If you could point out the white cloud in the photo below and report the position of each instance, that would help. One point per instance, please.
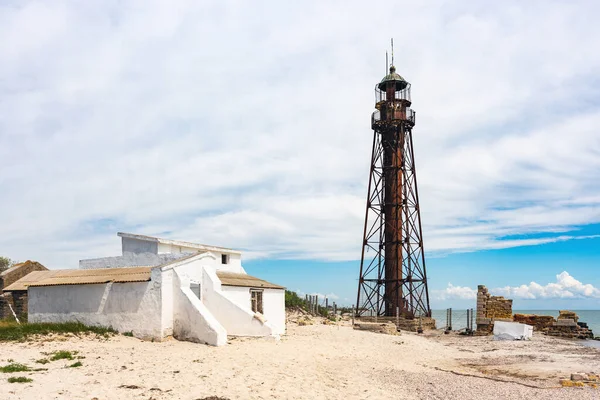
(455, 292)
(565, 287)
(142, 118)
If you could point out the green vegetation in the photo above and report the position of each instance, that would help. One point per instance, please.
(19, 379)
(5, 263)
(128, 333)
(42, 361)
(62, 355)
(10, 330)
(293, 300)
(75, 365)
(14, 367)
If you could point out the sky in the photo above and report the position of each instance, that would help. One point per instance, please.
(247, 125)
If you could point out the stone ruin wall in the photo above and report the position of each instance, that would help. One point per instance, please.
(16, 300)
(489, 309)
(497, 308)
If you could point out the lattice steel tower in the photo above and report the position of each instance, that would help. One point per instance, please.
(392, 267)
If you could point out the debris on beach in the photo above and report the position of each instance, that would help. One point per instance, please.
(387, 328)
(512, 331)
(581, 379)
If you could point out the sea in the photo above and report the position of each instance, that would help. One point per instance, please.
(459, 319)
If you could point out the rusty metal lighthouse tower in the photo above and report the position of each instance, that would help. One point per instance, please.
(392, 267)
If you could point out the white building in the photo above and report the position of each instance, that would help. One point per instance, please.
(158, 288)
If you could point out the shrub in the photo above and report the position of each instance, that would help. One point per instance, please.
(293, 300)
(62, 355)
(14, 367)
(14, 331)
(75, 365)
(19, 379)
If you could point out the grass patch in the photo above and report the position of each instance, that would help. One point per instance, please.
(19, 379)
(42, 361)
(14, 367)
(62, 355)
(75, 365)
(128, 334)
(13, 331)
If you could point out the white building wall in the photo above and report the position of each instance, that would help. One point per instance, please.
(126, 307)
(192, 320)
(237, 320)
(129, 245)
(167, 302)
(239, 295)
(131, 260)
(274, 309)
(273, 304)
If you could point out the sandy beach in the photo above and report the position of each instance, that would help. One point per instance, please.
(311, 362)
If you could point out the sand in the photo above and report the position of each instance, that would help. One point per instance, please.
(311, 362)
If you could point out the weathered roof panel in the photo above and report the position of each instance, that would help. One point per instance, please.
(244, 280)
(81, 277)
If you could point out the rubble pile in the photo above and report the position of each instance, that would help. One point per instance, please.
(567, 325)
(581, 379)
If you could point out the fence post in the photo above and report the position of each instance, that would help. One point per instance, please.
(468, 320)
(472, 321)
(352, 314)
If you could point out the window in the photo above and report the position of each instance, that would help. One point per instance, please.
(256, 300)
(224, 259)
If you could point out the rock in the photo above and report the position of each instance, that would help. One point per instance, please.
(579, 377)
(385, 328)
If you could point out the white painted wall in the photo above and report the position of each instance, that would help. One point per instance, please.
(239, 295)
(131, 260)
(192, 319)
(168, 287)
(192, 269)
(237, 320)
(273, 304)
(126, 307)
(274, 309)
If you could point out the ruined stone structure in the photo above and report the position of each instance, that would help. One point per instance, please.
(566, 325)
(540, 323)
(489, 309)
(16, 299)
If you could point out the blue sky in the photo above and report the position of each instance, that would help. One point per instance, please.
(497, 269)
(248, 126)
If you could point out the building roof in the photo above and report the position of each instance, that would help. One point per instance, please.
(244, 280)
(19, 266)
(178, 243)
(81, 277)
(393, 77)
